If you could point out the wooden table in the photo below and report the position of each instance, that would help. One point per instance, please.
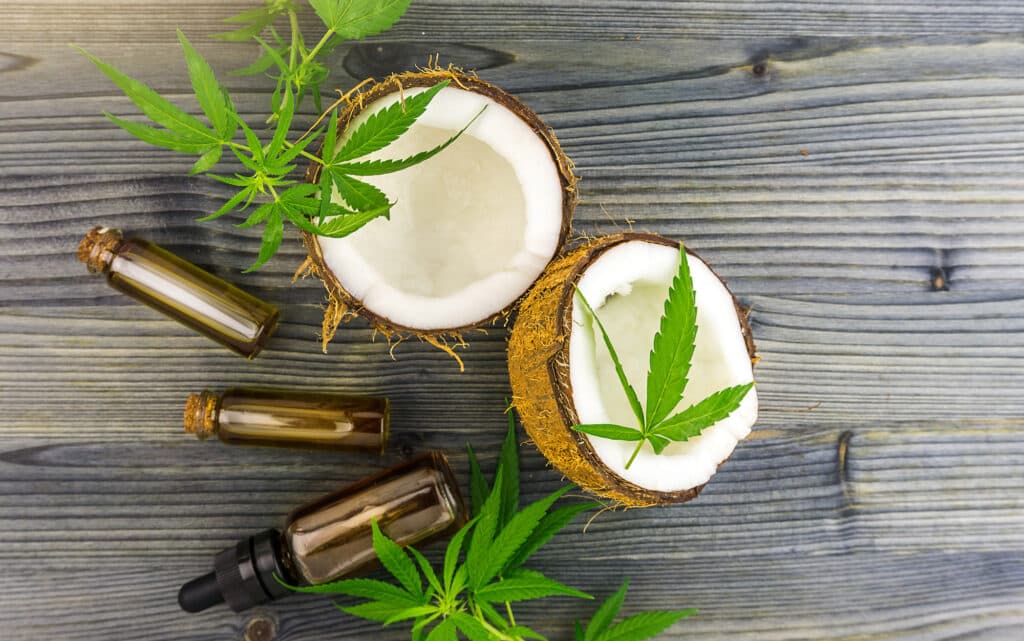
(852, 169)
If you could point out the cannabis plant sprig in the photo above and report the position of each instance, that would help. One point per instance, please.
(298, 65)
(634, 628)
(267, 186)
(482, 572)
(670, 361)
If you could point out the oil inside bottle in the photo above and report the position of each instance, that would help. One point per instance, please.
(291, 419)
(332, 537)
(181, 290)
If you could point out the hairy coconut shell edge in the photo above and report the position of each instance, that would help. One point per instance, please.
(343, 306)
(538, 361)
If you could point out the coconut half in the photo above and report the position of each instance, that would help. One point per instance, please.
(562, 374)
(472, 228)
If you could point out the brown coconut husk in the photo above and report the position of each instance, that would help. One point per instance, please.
(538, 364)
(342, 306)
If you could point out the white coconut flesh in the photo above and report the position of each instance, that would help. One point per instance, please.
(627, 287)
(473, 227)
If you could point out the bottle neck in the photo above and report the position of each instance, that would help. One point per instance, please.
(201, 411)
(98, 248)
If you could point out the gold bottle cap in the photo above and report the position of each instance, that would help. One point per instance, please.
(97, 248)
(200, 414)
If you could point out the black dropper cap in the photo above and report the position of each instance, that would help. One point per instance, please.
(243, 576)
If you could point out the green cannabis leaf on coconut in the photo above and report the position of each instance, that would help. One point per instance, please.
(483, 571)
(267, 191)
(670, 361)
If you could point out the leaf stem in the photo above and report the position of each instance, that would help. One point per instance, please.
(305, 153)
(635, 452)
(498, 634)
(293, 20)
(319, 45)
(634, 401)
(511, 617)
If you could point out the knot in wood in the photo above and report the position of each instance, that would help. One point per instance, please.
(260, 628)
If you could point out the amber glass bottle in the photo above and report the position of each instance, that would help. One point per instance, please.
(290, 419)
(194, 297)
(331, 538)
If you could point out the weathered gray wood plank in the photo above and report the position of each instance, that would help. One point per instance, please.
(782, 533)
(797, 597)
(860, 91)
(135, 24)
(851, 362)
(905, 489)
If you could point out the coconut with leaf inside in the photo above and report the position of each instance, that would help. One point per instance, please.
(563, 375)
(470, 229)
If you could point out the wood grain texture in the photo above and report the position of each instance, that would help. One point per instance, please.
(854, 170)
(134, 23)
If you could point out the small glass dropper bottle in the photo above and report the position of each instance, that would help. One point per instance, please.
(194, 297)
(290, 419)
(330, 538)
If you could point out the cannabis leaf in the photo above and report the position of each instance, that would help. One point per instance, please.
(634, 402)
(385, 126)
(634, 628)
(670, 360)
(266, 184)
(161, 138)
(673, 346)
(259, 19)
(182, 131)
(272, 235)
(360, 195)
(482, 573)
(378, 167)
(213, 100)
(523, 585)
(508, 462)
(479, 489)
(482, 565)
(694, 419)
(356, 19)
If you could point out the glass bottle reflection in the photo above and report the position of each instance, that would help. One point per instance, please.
(290, 419)
(194, 297)
(332, 537)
